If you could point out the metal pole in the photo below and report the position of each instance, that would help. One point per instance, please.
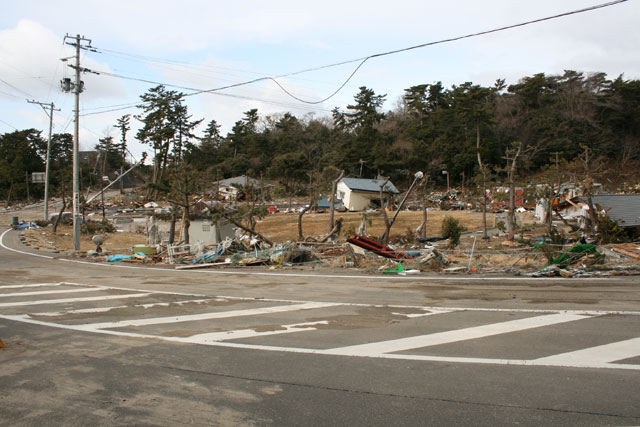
(76, 143)
(46, 168)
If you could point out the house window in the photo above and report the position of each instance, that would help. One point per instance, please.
(206, 227)
(341, 195)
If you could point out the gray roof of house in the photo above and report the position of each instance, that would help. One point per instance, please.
(622, 208)
(242, 180)
(363, 184)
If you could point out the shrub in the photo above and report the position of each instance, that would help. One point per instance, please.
(97, 227)
(452, 229)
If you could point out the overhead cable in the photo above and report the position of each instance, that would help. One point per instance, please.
(392, 52)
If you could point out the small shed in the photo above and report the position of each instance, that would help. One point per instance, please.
(358, 193)
(202, 230)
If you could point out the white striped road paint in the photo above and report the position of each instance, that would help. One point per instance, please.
(80, 311)
(33, 285)
(70, 300)
(106, 309)
(604, 354)
(202, 316)
(20, 252)
(442, 359)
(409, 343)
(57, 291)
(427, 313)
(252, 333)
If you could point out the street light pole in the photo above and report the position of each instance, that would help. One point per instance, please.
(447, 173)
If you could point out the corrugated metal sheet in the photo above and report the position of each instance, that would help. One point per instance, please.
(622, 208)
(362, 184)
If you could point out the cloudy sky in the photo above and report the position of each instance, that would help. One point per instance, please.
(209, 44)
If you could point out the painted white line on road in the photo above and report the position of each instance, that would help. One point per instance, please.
(33, 285)
(202, 316)
(468, 360)
(391, 346)
(106, 309)
(57, 291)
(81, 311)
(427, 313)
(251, 333)
(602, 354)
(69, 300)
(15, 250)
(435, 308)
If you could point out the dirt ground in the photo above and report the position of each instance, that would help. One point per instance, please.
(62, 241)
(277, 227)
(284, 227)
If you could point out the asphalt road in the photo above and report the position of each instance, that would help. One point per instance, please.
(90, 344)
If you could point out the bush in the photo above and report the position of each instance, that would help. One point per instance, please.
(97, 227)
(42, 222)
(452, 229)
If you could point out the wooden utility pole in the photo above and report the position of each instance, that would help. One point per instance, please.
(46, 168)
(77, 87)
(483, 170)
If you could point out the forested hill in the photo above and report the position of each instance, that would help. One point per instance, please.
(436, 128)
(432, 128)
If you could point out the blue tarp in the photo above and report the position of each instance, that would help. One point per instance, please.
(118, 258)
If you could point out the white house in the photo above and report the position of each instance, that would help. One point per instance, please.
(231, 187)
(358, 193)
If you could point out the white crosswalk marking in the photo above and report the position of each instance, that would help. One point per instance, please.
(204, 316)
(57, 291)
(33, 285)
(252, 333)
(602, 354)
(608, 356)
(409, 343)
(70, 300)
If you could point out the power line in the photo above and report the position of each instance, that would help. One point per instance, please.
(406, 49)
(16, 88)
(11, 126)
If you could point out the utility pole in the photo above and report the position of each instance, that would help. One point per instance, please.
(77, 87)
(46, 169)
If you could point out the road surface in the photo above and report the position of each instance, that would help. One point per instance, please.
(97, 344)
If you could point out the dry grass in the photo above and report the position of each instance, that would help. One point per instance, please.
(284, 227)
(278, 227)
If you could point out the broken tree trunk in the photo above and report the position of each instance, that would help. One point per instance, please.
(64, 206)
(332, 207)
(484, 184)
(248, 230)
(307, 208)
(511, 219)
(387, 226)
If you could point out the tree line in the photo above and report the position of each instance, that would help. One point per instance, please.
(551, 119)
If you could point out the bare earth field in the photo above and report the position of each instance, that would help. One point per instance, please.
(283, 227)
(278, 227)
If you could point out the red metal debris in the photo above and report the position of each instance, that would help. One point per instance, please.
(377, 248)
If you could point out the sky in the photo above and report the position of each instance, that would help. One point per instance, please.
(199, 44)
